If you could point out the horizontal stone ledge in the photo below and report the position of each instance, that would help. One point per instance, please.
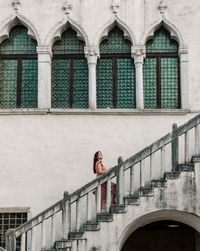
(120, 112)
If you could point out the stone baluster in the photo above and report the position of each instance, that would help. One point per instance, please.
(142, 173)
(108, 196)
(132, 184)
(43, 234)
(162, 158)
(98, 198)
(120, 182)
(78, 214)
(53, 232)
(197, 139)
(23, 242)
(66, 216)
(152, 162)
(33, 248)
(187, 156)
(10, 241)
(174, 147)
(88, 208)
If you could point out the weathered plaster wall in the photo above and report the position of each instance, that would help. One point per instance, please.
(43, 155)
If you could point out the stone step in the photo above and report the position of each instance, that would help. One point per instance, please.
(104, 217)
(132, 200)
(188, 167)
(91, 226)
(172, 175)
(76, 235)
(118, 209)
(159, 183)
(63, 244)
(196, 159)
(146, 192)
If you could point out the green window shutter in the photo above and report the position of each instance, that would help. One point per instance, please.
(60, 83)
(11, 86)
(18, 42)
(125, 83)
(150, 83)
(80, 89)
(29, 83)
(169, 83)
(115, 43)
(69, 44)
(162, 43)
(105, 83)
(115, 81)
(8, 83)
(161, 72)
(69, 74)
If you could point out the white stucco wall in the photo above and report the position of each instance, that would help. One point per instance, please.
(44, 155)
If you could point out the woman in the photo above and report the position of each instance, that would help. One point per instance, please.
(99, 169)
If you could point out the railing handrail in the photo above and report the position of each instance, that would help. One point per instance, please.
(158, 144)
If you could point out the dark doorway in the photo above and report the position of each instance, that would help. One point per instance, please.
(163, 236)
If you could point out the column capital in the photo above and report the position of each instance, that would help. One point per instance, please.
(138, 53)
(183, 53)
(92, 54)
(44, 50)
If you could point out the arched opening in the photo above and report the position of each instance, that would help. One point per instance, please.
(163, 235)
(161, 72)
(69, 72)
(18, 70)
(115, 72)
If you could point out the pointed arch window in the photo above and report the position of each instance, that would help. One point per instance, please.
(69, 72)
(115, 72)
(18, 70)
(161, 72)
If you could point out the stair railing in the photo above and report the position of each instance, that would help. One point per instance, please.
(118, 172)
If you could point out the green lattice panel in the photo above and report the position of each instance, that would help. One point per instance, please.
(169, 83)
(161, 42)
(115, 43)
(80, 92)
(149, 75)
(8, 83)
(105, 83)
(18, 42)
(69, 44)
(60, 83)
(29, 84)
(125, 83)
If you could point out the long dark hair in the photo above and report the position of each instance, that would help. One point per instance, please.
(95, 161)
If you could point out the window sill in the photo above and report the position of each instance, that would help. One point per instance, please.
(118, 112)
(126, 112)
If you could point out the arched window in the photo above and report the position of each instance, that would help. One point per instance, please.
(161, 72)
(70, 72)
(18, 70)
(115, 72)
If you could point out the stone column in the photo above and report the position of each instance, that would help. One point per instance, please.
(92, 54)
(184, 85)
(138, 53)
(44, 77)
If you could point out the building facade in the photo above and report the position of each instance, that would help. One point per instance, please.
(81, 76)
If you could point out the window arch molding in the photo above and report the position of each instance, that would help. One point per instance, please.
(103, 32)
(56, 32)
(19, 20)
(176, 35)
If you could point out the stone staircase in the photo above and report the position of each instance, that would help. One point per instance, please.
(175, 189)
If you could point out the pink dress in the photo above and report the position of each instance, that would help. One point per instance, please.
(104, 188)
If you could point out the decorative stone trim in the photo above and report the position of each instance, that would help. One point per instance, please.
(91, 51)
(115, 6)
(18, 111)
(14, 209)
(138, 51)
(15, 4)
(67, 7)
(162, 7)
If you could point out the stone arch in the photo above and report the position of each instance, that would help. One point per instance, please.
(174, 32)
(56, 32)
(103, 33)
(174, 215)
(16, 20)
